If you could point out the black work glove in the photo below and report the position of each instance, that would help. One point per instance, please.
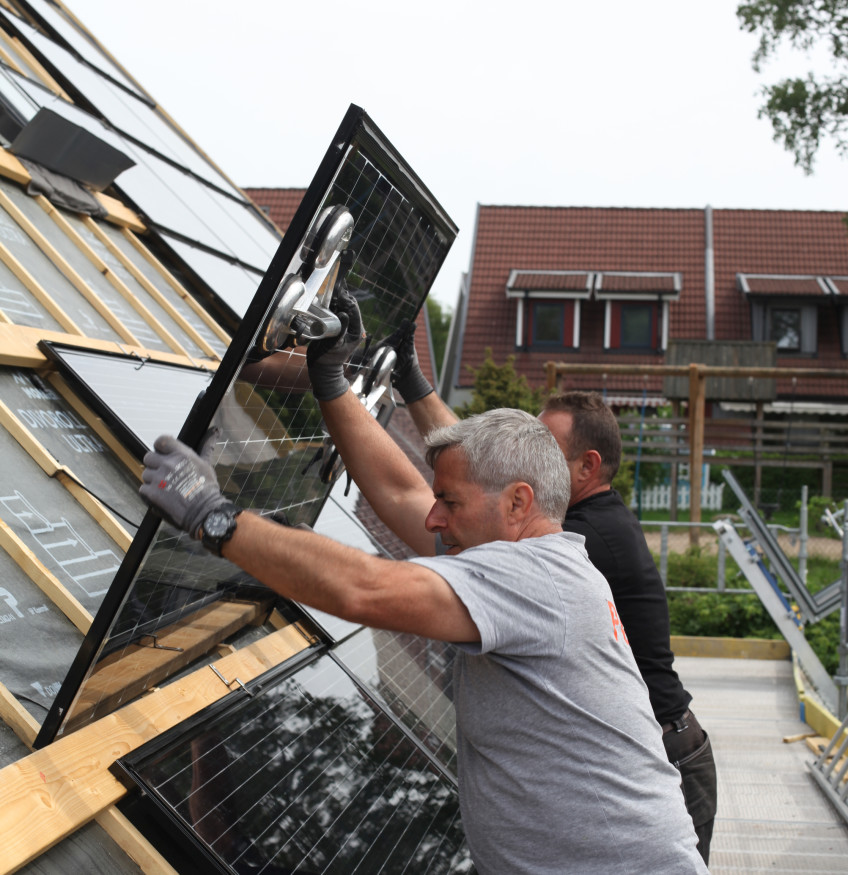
(180, 485)
(326, 358)
(406, 376)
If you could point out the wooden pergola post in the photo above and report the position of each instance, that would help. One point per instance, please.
(697, 396)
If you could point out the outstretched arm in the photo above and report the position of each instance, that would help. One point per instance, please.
(400, 496)
(182, 487)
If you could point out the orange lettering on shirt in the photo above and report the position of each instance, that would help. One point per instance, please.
(616, 623)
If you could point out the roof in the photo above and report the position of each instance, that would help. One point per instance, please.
(118, 302)
(518, 247)
(279, 204)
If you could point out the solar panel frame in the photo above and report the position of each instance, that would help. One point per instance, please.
(391, 282)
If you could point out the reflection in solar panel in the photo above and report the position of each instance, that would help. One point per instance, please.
(269, 442)
(307, 775)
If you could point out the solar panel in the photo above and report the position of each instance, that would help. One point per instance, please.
(123, 390)
(308, 774)
(270, 452)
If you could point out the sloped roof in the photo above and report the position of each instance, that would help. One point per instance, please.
(539, 243)
(537, 239)
(279, 204)
(148, 277)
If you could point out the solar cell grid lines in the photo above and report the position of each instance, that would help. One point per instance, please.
(261, 425)
(308, 775)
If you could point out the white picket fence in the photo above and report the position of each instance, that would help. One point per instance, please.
(659, 497)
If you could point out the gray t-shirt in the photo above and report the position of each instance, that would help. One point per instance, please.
(561, 762)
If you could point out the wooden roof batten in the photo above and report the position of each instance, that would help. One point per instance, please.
(54, 791)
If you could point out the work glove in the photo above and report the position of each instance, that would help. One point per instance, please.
(326, 358)
(407, 377)
(181, 485)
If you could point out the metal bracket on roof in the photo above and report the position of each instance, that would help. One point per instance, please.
(228, 684)
(157, 646)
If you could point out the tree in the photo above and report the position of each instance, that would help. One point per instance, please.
(803, 110)
(440, 321)
(500, 386)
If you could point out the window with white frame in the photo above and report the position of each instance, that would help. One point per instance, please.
(548, 305)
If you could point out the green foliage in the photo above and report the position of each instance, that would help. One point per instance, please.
(816, 506)
(741, 614)
(723, 615)
(440, 321)
(803, 110)
(500, 386)
(623, 481)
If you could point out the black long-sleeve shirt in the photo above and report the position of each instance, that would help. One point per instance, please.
(617, 548)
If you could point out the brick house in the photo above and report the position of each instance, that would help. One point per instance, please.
(623, 286)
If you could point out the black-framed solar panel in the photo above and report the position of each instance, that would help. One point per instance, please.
(308, 774)
(413, 678)
(269, 443)
(137, 398)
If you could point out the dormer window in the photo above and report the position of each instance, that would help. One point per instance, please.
(637, 308)
(785, 309)
(548, 307)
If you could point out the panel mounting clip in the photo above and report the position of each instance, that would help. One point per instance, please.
(228, 684)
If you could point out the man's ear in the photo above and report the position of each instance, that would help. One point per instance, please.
(521, 500)
(590, 465)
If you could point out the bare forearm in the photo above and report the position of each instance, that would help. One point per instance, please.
(430, 412)
(348, 583)
(393, 486)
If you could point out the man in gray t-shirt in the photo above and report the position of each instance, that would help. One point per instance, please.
(560, 762)
(562, 766)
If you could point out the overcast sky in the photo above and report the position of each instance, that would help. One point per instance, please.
(598, 103)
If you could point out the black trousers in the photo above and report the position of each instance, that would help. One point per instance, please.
(688, 748)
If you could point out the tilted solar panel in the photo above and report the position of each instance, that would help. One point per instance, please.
(365, 219)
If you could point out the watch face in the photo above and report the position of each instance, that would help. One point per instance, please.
(216, 524)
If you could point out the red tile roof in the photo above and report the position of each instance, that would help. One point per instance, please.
(536, 239)
(757, 284)
(279, 204)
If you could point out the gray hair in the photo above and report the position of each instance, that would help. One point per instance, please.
(508, 446)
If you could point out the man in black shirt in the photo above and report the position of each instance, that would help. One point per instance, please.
(588, 435)
(587, 432)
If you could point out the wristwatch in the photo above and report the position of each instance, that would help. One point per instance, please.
(218, 528)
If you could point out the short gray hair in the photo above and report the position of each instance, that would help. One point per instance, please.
(506, 446)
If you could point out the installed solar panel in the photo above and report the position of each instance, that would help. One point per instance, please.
(269, 450)
(306, 775)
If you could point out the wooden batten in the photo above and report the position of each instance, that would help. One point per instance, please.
(35, 289)
(119, 214)
(67, 271)
(11, 168)
(48, 463)
(115, 281)
(126, 674)
(19, 348)
(151, 289)
(44, 579)
(17, 718)
(54, 791)
(95, 509)
(176, 285)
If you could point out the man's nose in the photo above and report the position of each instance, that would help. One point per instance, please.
(435, 521)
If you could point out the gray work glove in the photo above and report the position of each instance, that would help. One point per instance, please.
(180, 485)
(406, 376)
(326, 358)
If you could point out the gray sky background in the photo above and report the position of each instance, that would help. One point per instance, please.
(603, 103)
